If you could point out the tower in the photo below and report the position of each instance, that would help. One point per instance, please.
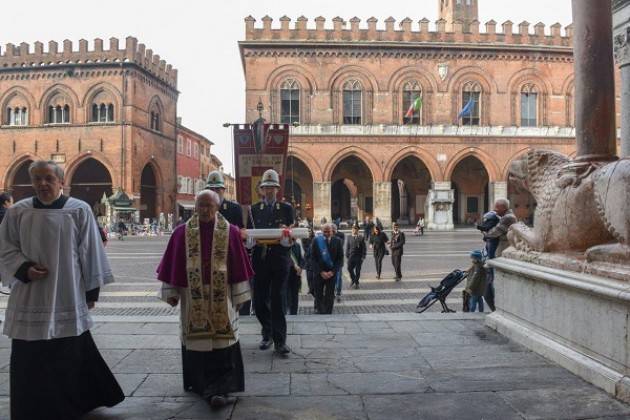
(454, 10)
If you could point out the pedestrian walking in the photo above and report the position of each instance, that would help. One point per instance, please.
(396, 246)
(327, 254)
(506, 219)
(194, 271)
(420, 226)
(295, 278)
(339, 279)
(368, 228)
(52, 256)
(476, 282)
(378, 243)
(271, 265)
(356, 251)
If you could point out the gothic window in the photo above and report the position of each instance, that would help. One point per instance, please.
(102, 112)
(17, 116)
(471, 103)
(352, 98)
(58, 110)
(289, 102)
(529, 106)
(412, 93)
(155, 116)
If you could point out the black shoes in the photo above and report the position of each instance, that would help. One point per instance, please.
(218, 401)
(265, 343)
(282, 349)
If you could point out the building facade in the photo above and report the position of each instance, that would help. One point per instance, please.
(193, 151)
(106, 115)
(415, 121)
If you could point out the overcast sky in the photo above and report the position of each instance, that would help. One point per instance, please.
(199, 38)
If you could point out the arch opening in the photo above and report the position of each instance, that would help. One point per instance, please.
(148, 193)
(471, 186)
(411, 182)
(352, 190)
(21, 187)
(90, 181)
(298, 188)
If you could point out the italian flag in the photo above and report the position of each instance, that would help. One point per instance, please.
(415, 107)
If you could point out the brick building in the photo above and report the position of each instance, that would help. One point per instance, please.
(107, 115)
(357, 151)
(193, 166)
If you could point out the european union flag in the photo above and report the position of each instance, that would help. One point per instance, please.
(467, 110)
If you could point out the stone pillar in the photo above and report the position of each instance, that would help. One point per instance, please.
(622, 53)
(321, 202)
(594, 82)
(439, 207)
(498, 189)
(383, 202)
(403, 202)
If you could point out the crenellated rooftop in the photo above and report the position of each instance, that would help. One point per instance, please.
(407, 31)
(12, 56)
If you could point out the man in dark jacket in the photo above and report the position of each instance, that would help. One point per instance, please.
(6, 201)
(327, 260)
(295, 278)
(356, 251)
(396, 246)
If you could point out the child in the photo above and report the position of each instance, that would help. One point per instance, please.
(477, 281)
(490, 220)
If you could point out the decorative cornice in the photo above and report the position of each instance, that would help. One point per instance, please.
(407, 51)
(382, 130)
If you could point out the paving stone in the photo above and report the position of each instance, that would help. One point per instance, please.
(256, 360)
(314, 384)
(375, 327)
(343, 328)
(372, 341)
(480, 356)
(151, 361)
(500, 379)
(136, 408)
(266, 384)
(299, 408)
(432, 406)
(129, 382)
(117, 328)
(120, 341)
(161, 385)
(200, 409)
(440, 339)
(310, 328)
(160, 328)
(391, 364)
(295, 364)
(565, 403)
(409, 381)
(4, 384)
(113, 357)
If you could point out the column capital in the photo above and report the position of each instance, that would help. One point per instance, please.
(622, 48)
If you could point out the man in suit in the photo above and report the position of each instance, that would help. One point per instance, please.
(271, 265)
(327, 259)
(396, 245)
(356, 251)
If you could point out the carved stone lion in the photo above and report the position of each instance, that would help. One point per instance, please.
(589, 213)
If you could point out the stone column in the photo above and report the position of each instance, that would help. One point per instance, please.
(622, 53)
(498, 189)
(383, 202)
(321, 202)
(403, 202)
(594, 82)
(439, 207)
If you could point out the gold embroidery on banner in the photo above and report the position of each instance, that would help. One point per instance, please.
(208, 316)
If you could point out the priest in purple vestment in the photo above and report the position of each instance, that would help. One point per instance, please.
(206, 269)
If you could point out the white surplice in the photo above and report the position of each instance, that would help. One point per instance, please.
(67, 242)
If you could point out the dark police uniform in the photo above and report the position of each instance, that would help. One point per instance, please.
(232, 212)
(271, 266)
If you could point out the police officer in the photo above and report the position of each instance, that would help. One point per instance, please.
(271, 265)
(229, 209)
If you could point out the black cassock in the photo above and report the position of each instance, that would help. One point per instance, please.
(216, 372)
(60, 379)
